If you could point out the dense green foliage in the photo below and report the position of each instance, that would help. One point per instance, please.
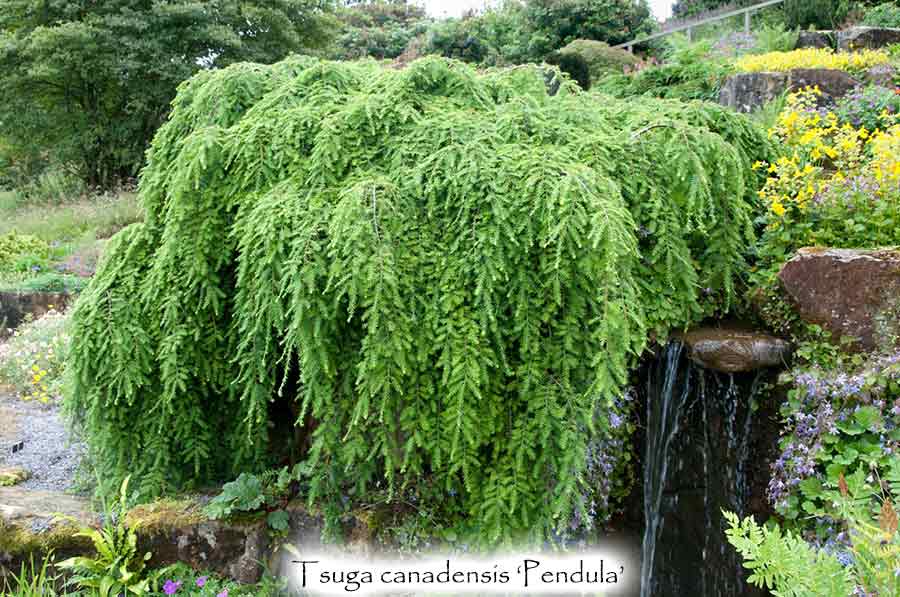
(85, 85)
(443, 277)
(574, 66)
(689, 8)
(377, 29)
(862, 559)
(15, 248)
(518, 32)
(690, 72)
(815, 14)
(555, 23)
(883, 15)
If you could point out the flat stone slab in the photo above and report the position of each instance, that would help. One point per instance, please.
(735, 350)
(815, 39)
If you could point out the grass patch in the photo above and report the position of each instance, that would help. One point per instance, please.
(86, 219)
(75, 232)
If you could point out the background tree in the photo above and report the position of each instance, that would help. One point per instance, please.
(555, 23)
(377, 29)
(86, 84)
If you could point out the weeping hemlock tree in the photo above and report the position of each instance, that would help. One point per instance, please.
(443, 276)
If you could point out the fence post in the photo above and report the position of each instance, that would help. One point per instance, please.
(747, 22)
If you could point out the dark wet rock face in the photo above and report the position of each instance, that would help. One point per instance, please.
(846, 291)
(704, 449)
(734, 351)
(815, 39)
(16, 306)
(859, 38)
(746, 92)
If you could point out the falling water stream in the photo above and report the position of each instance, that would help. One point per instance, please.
(696, 453)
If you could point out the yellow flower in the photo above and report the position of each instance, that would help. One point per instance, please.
(778, 208)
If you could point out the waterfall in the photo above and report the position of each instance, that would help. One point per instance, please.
(696, 451)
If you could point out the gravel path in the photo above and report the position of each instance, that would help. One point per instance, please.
(49, 454)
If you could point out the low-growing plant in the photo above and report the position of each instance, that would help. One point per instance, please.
(775, 38)
(16, 249)
(43, 282)
(118, 568)
(834, 184)
(250, 493)
(183, 581)
(863, 558)
(783, 561)
(842, 421)
(872, 107)
(33, 359)
(33, 580)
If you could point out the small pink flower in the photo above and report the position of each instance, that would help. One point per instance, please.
(202, 581)
(171, 587)
(223, 593)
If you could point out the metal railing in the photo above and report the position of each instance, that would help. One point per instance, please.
(689, 26)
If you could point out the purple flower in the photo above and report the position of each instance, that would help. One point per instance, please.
(171, 587)
(223, 593)
(202, 581)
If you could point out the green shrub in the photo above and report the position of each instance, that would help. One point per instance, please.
(600, 58)
(691, 72)
(443, 277)
(574, 66)
(15, 248)
(53, 187)
(883, 15)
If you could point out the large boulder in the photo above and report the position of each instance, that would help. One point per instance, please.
(833, 84)
(746, 92)
(860, 38)
(849, 292)
(815, 39)
(735, 350)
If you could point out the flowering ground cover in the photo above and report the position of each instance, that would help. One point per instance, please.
(33, 359)
(852, 62)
